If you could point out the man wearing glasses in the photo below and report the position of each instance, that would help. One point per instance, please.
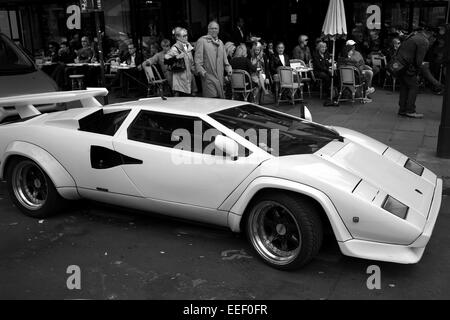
(302, 51)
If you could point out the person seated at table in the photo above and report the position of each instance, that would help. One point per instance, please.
(374, 50)
(356, 59)
(134, 73)
(240, 60)
(302, 51)
(229, 49)
(280, 59)
(65, 55)
(75, 42)
(270, 50)
(346, 59)
(260, 61)
(132, 58)
(113, 53)
(52, 53)
(322, 65)
(391, 51)
(85, 54)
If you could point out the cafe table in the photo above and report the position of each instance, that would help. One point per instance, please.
(123, 72)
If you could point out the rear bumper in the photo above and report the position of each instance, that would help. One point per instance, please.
(396, 253)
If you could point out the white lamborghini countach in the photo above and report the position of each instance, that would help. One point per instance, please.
(281, 179)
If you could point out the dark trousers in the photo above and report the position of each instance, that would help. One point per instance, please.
(408, 93)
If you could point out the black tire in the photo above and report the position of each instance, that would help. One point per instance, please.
(31, 190)
(285, 230)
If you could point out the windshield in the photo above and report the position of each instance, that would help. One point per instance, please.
(12, 59)
(278, 134)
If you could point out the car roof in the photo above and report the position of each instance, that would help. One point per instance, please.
(184, 105)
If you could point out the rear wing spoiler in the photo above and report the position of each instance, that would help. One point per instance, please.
(24, 104)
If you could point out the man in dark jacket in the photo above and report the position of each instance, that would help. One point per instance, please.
(411, 53)
(280, 59)
(131, 57)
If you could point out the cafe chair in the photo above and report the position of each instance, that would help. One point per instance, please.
(319, 82)
(156, 82)
(389, 78)
(298, 64)
(288, 86)
(111, 76)
(378, 62)
(241, 84)
(349, 80)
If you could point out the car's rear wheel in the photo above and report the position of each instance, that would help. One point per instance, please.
(31, 189)
(285, 230)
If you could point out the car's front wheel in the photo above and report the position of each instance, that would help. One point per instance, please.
(31, 189)
(285, 230)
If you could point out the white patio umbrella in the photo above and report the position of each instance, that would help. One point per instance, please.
(334, 27)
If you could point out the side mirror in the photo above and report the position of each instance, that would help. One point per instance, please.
(227, 146)
(308, 115)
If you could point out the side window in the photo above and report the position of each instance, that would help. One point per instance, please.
(173, 131)
(103, 123)
(154, 128)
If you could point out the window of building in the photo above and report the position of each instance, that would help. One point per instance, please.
(433, 15)
(117, 18)
(397, 15)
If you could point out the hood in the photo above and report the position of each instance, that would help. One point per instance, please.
(384, 171)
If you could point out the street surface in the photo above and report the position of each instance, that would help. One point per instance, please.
(127, 255)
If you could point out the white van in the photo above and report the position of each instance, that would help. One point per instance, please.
(19, 75)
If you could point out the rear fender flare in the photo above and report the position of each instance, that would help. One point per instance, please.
(62, 180)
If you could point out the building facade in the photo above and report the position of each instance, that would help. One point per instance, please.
(34, 23)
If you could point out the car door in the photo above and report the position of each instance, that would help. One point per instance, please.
(192, 174)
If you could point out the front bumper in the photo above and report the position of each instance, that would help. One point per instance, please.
(395, 253)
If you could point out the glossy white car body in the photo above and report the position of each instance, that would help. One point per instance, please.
(350, 179)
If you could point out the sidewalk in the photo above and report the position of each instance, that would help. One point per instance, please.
(417, 138)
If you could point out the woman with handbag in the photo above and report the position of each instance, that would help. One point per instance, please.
(181, 63)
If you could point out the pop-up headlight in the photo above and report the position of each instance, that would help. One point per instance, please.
(395, 207)
(413, 166)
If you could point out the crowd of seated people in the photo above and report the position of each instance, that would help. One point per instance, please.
(261, 58)
(373, 45)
